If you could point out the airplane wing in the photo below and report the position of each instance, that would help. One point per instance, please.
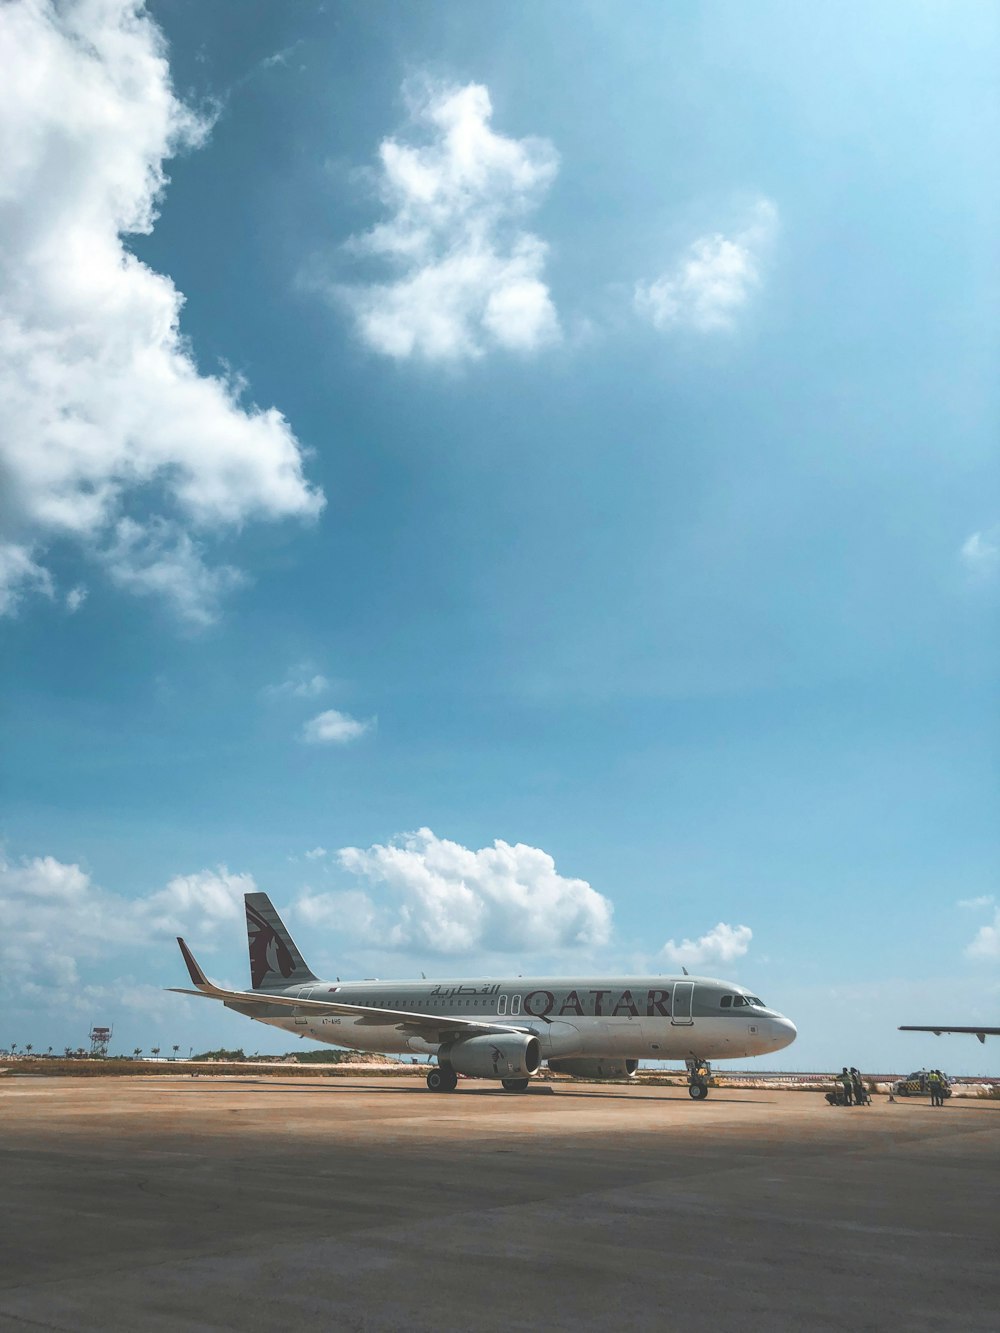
(980, 1032)
(432, 1026)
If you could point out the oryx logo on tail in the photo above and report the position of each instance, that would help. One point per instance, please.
(268, 951)
(274, 959)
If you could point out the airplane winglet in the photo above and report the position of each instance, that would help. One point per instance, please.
(197, 976)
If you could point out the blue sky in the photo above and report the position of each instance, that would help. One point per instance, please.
(619, 564)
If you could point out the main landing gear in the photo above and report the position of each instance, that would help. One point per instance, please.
(514, 1084)
(442, 1078)
(699, 1078)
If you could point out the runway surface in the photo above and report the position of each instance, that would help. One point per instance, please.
(371, 1204)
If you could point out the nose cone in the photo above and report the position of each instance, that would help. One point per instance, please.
(783, 1032)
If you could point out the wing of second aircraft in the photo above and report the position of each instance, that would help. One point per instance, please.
(980, 1032)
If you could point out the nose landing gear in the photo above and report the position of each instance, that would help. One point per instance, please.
(699, 1079)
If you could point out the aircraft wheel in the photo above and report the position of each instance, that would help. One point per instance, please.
(698, 1091)
(515, 1084)
(442, 1080)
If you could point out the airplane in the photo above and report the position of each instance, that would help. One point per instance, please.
(978, 1031)
(587, 1027)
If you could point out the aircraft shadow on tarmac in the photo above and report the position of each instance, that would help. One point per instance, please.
(545, 1090)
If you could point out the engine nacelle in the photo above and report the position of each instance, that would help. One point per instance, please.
(595, 1069)
(515, 1056)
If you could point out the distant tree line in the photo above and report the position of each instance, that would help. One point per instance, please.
(298, 1057)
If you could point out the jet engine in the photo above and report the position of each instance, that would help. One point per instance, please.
(595, 1069)
(513, 1056)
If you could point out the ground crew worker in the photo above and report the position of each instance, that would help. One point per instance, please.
(860, 1092)
(934, 1080)
(848, 1085)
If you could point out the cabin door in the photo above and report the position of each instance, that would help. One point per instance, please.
(680, 1010)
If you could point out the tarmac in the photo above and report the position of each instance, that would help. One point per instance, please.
(371, 1204)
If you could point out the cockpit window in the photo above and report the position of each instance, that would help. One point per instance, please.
(738, 1000)
(726, 1001)
(755, 999)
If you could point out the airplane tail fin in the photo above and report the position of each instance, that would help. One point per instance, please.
(274, 960)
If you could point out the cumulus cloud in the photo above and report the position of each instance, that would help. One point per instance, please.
(335, 728)
(984, 900)
(986, 943)
(56, 918)
(467, 275)
(980, 553)
(711, 282)
(206, 900)
(351, 913)
(722, 944)
(447, 899)
(106, 418)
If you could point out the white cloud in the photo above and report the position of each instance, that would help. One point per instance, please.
(712, 280)
(20, 573)
(351, 914)
(986, 943)
(984, 900)
(468, 275)
(75, 598)
(279, 57)
(208, 899)
(160, 559)
(316, 854)
(449, 899)
(302, 682)
(335, 728)
(55, 918)
(980, 553)
(61, 989)
(103, 404)
(722, 944)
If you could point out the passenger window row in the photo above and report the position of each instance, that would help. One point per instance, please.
(378, 1002)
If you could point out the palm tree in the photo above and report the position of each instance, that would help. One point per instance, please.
(175, 1049)
(155, 1050)
(137, 1051)
(49, 1051)
(28, 1049)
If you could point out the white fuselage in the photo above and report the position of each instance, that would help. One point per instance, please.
(639, 1018)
